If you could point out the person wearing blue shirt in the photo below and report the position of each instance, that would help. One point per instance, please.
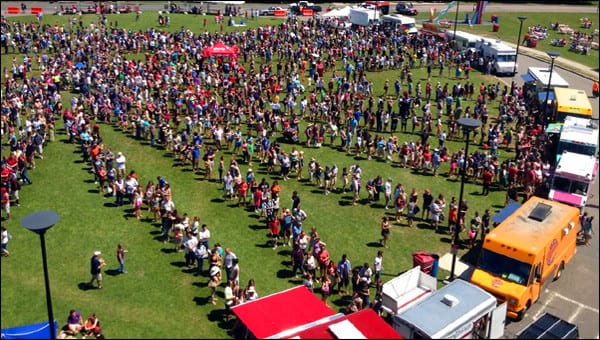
(344, 269)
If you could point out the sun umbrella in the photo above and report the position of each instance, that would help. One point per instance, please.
(80, 65)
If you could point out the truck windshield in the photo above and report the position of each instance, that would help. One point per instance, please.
(506, 58)
(505, 267)
(571, 187)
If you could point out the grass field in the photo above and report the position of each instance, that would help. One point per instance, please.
(159, 297)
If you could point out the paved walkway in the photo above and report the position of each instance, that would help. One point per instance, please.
(573, 66)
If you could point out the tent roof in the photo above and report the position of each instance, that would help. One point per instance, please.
(32, 331)
(278, 312)
(220, 49)
(364, 322)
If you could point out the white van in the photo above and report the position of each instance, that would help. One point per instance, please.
(407, 24)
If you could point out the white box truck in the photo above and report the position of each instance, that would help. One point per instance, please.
(459, 310)
(503, 56)
(363, 16)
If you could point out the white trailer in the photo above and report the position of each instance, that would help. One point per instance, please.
(403, 291)
(363, 16)
(459, 310)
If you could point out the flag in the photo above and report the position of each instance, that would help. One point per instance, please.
(444, 11)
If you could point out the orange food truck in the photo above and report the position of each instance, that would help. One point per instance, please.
(528, 250)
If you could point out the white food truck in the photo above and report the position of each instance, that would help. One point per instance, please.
(459, 310)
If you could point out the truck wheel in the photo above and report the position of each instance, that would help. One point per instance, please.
(559, 271)
(522, 312)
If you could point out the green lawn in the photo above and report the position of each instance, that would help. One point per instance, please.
(159, 297)
(509, 29)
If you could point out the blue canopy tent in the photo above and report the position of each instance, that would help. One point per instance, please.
(527, 77)
(505, 212)
(542, 95)
(33, 331)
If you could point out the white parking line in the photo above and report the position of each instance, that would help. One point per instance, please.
(574, 315)
(549, 297)
(579, 304)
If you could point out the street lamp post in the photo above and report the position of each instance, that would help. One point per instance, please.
(468, 124)
(455, 22)
(553, 55)
(39, 222)
(521, 19)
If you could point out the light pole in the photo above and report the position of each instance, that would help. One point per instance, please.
(553, 55)
(39, 222)
(468, 124)
(455, 22)
(521, 19)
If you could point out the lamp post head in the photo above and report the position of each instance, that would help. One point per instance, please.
(553, 54)
(469, 123)
(40, 221)
(521, 17)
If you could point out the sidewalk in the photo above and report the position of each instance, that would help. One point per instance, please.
(582, 70)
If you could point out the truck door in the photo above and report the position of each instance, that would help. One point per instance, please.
(536, 285)
(497, 322)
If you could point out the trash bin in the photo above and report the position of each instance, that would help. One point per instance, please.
(436, 264)
(423, 259)
(532, 42)
(495, 27)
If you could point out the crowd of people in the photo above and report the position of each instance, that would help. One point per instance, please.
(201, 108)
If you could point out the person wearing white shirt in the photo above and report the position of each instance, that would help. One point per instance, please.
(204, 236)
(121, 164)
(378, 265)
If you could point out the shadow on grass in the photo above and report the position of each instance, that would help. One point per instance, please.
(179, 264)
(257, 227)
(286, 263)
(284, 273)
(200, 284)
(217, 200)
(85, 286)
(285, 252)
(110, 204)
(201, 301)
(344, 203)
(112, 272)
(218, 316)
(374, 245)
(264, 245)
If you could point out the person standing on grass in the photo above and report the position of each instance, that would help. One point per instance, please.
(344, 271)
(378, 265)
(228, 262)
(121, 251)
(297, 258)
(96, 265)
(325, 288)
(427, 200)
(6, 236)
(214, 282)
(385, 231)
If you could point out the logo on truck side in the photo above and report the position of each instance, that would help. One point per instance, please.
(496, 282)
(551, 252)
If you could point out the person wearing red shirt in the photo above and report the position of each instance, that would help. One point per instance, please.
(242, 193)
(487, 177)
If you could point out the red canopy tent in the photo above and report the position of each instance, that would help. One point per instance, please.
(219, 49)
(299, 313)
(364, 324)
(278, 312)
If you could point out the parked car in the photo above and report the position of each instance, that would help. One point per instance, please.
(406, 8)
(270, 11)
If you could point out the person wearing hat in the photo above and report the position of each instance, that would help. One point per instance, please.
(121, 164)
(96, 265)
(214, 282)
